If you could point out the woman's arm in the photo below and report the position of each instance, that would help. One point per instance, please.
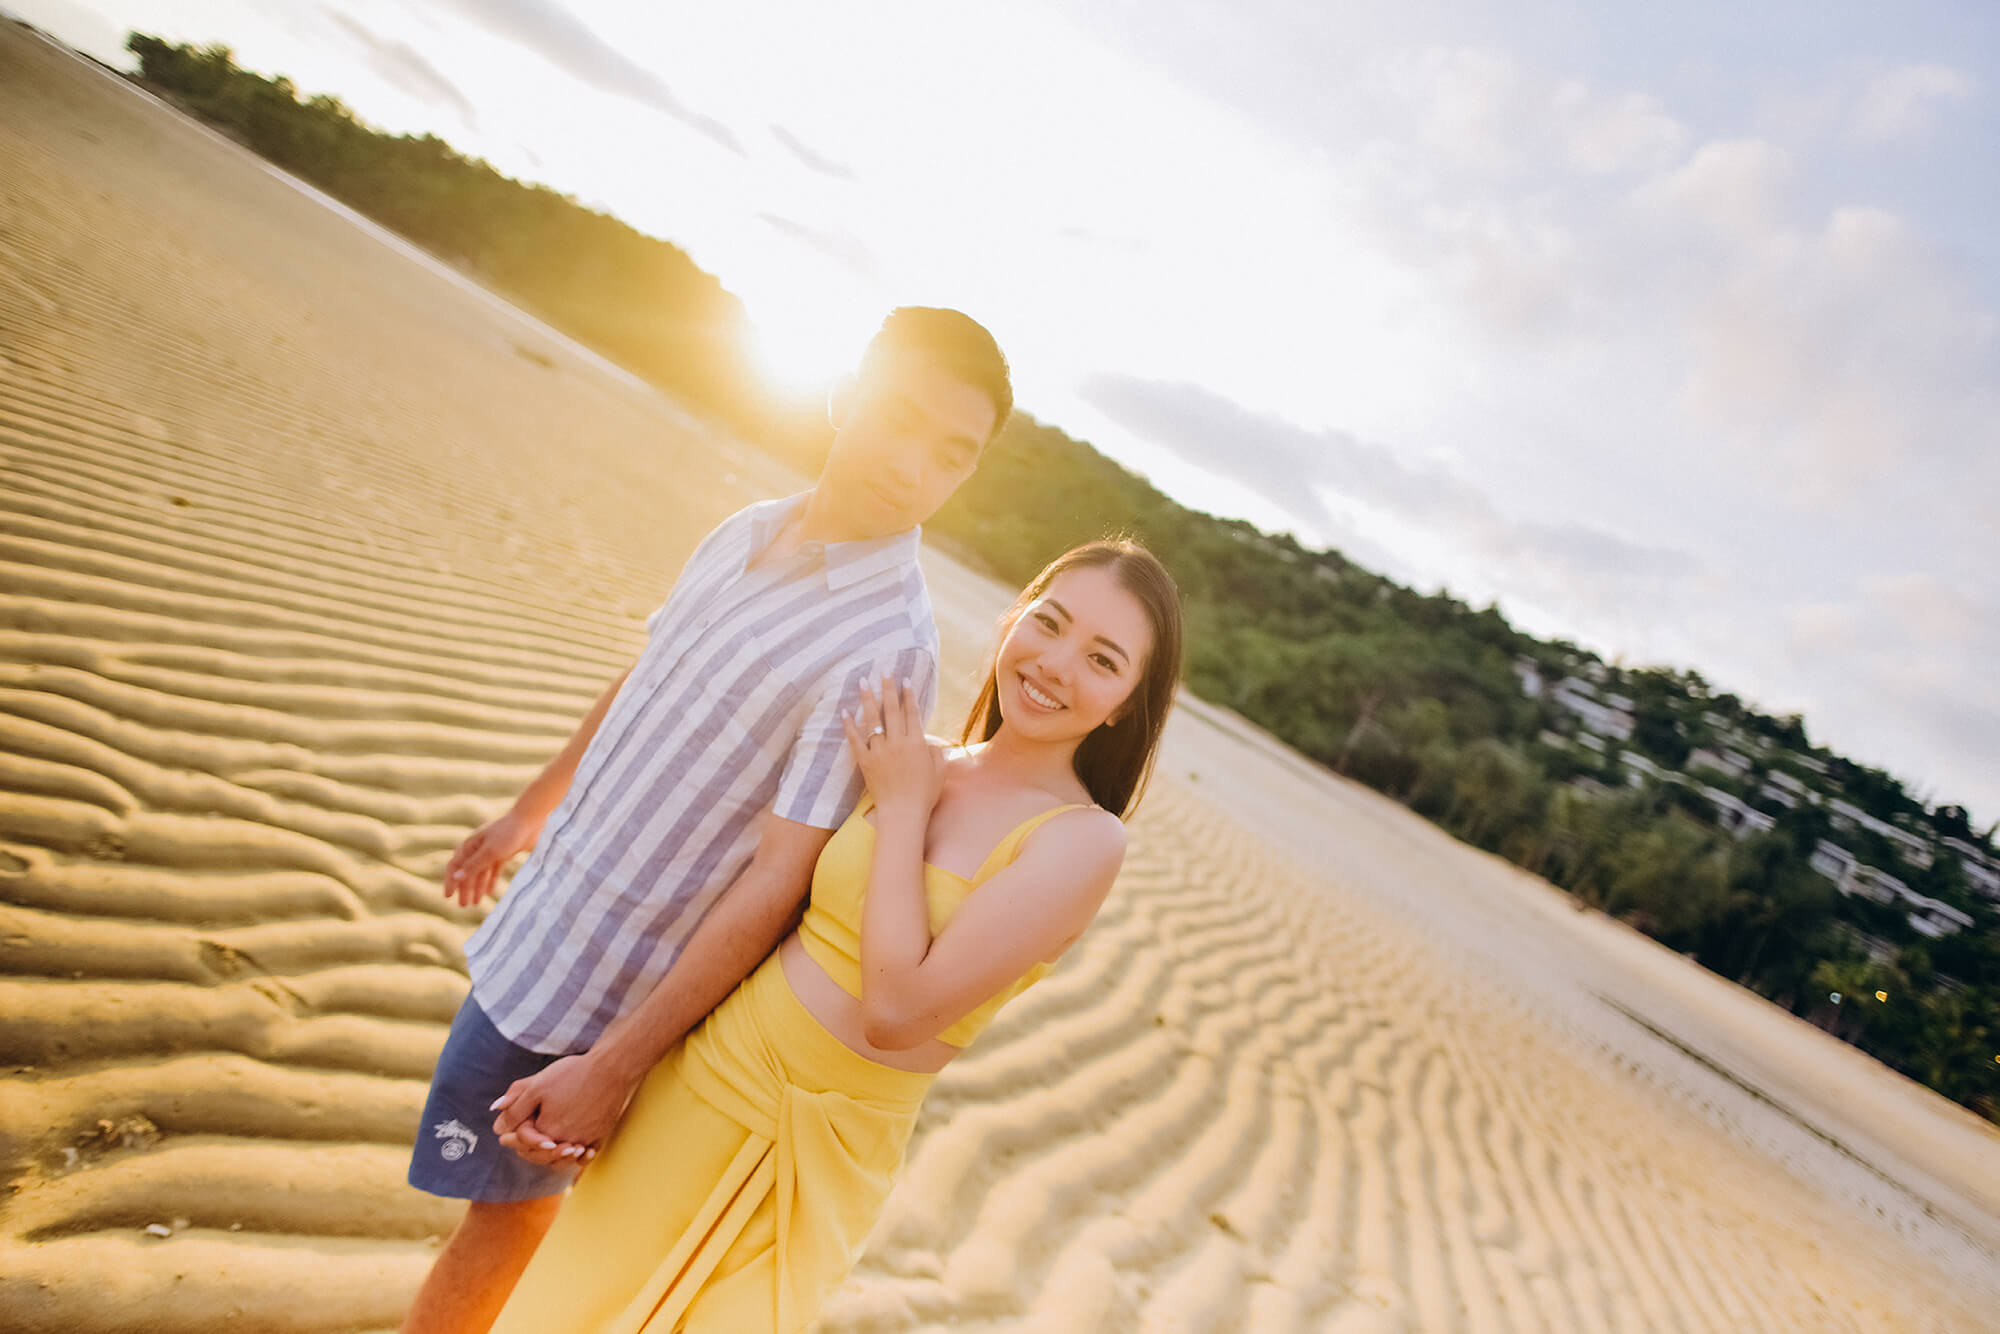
(914, 987)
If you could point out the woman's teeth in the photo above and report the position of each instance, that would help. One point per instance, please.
(1028, 687)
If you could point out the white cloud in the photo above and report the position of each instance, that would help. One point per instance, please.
(405, 67)
(1900, 664)
(1470, 100)
(1616, 132)
(1735, 186)
(549, 29)
(1840, 355)
(1352, 492)
(1902, 104)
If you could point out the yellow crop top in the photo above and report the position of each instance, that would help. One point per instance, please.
(831, 930)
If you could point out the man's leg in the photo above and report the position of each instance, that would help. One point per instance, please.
(479, 1266)
(511, 1201)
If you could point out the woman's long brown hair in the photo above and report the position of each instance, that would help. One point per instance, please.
(1115, 761)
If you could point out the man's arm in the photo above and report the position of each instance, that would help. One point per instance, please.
(470, 873)
(577, 1100)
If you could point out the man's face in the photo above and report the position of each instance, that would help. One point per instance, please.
(908, 434)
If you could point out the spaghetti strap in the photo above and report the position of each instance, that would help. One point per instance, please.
(1003, 852)
(1010, 846)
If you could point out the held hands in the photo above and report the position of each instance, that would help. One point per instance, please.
(560, 1114)
(468, 877)
(902, 766)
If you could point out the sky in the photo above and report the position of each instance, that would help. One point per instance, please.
(1672, 332)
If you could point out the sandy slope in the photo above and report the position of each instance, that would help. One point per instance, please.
(309, 555)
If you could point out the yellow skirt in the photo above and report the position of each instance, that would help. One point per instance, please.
(739, 1189)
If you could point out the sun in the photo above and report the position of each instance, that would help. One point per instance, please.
(802, 347)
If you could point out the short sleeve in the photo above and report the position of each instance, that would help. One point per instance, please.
(820, 785)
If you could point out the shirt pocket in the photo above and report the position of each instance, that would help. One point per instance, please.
(749, 702)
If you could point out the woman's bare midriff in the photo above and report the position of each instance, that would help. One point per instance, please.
(840, 1014)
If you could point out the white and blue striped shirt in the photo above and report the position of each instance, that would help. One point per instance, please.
(733, 709)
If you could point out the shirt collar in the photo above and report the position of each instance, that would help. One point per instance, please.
(847, 563)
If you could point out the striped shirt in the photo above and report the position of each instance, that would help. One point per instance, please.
(733, 709)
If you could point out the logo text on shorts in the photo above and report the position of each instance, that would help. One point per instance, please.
(458, 1141)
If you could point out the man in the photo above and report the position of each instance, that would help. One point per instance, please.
(675, 834)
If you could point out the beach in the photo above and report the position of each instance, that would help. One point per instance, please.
(314, 552)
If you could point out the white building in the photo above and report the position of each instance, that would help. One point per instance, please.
(1935, 919)
(1779, 795)
(1580, 698)
(1785, 783)
(1980, 870)
(1927, 915)
(1733, 815)
(1835, 863)
(1641, 769)
(1724, 761)
(1873, 883)
(1913, 849)
(1530, 676)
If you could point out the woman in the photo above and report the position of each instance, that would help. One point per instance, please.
(743, 1180)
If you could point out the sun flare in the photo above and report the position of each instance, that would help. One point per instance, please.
(803, 348)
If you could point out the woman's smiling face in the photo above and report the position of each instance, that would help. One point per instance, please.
(1072, 660)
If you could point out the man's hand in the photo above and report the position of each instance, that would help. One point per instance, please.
(468, 877)
(562, 1113)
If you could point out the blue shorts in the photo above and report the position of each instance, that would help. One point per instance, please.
(457, 1154)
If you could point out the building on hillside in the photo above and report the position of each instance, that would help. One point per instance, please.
(1984, 879)
(1550, 738)
(1580, 698)
(1912, 848)
(1784, 789)
(1872, 882)
(1927, 915)
(1725, 761)
(1981, 871)
(1530, 675)
(1934, 918)
(1639, 769)
(1811, 762)
(1740, 819)
(1835, 863)
(1590, 741)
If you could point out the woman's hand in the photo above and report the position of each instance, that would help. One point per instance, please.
(559, 1115)
(903, 768)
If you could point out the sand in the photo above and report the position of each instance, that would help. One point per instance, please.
(310, 553)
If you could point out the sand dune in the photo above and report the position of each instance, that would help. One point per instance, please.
(310, 554)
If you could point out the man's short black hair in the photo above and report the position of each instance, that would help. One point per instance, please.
(953, 342)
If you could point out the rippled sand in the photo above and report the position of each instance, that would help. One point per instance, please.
(310, 555)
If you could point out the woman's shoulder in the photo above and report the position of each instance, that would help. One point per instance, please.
(1078, 829)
